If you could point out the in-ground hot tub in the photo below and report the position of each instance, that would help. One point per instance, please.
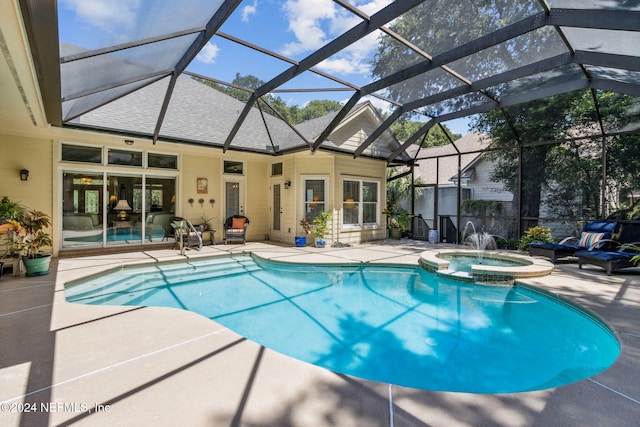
(484, 267)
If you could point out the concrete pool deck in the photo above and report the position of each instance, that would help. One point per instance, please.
(70, 364)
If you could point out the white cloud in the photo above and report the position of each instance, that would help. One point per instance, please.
(315, 22)
(371, 7)
(343, 65)
(248, 11)
(106, 14)
(379, 104)
(208, 54)
(305, 21)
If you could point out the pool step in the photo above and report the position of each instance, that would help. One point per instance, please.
(141, 278)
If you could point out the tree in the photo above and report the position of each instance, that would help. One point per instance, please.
(569, 171)
(318, 108)
(274, 105)
(523, 133)
(404, 129)
(437, 27)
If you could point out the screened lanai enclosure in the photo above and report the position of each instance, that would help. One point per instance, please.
(549, 87)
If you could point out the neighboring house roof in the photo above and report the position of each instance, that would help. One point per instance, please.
(200, 114)
(353, 130)
(439, 164)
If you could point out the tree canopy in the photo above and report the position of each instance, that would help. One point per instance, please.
(272, 104)
(561, 170)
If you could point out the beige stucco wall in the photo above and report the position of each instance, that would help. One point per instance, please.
(40, 155)
(35, 155)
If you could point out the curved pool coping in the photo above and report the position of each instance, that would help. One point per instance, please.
(534, 267)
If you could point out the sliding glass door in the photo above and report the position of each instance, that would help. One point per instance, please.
(104, 209)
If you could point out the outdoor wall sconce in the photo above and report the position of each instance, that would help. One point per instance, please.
(24, 175)
(128, 141)
(212, 201)
(190, 202)
(287, 184)
(201, 201)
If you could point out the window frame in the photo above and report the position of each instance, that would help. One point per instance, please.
(360, 203)
(303, 197)
(241, 173)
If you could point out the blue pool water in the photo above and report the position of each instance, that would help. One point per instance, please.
(464, 263)
(116, 235)
(393, 324)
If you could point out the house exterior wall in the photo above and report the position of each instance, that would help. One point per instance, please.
(40, 154)
(36, 155)
(486, 189)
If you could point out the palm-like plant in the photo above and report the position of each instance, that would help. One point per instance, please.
(400, 188)
(27, 236)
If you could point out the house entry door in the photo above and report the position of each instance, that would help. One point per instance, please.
(276, 211)
(234, 203)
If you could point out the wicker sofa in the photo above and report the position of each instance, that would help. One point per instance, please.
(591, 233)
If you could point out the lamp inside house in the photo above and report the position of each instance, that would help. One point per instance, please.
(123, 207)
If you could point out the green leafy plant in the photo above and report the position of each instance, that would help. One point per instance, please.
(27, 236)
(10, 210)
(535, 234)
(398, 217)
(206, 222)
(320, 224)
(483, 207)
(633, 247)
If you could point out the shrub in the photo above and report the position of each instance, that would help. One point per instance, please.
(535, 234)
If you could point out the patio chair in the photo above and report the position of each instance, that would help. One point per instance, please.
(159, 223)
(611, 260)
(186, 234)
(592, 233)
(235, 229)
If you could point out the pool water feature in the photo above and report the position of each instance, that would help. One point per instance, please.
(495, 267)
(395, 324)
(465, 263)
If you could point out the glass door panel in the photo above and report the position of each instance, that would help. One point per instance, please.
(125, 216)
(82, 206)
(160, 201)
(233, 198)
(277, 207)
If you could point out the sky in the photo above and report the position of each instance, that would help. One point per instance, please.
(293, 28)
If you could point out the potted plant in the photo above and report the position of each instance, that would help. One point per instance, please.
(320, 228)
(398, 220)
(9, 210)
(301, 240)
(27, 238)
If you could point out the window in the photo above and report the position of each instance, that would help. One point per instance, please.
(78, 153)
(92, 201)
(360, 202)
(125, 158)
(314, 198)
(232, 167)
(163, 161)
(276, 169)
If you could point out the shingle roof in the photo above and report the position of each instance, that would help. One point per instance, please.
(200, 114)
(446, 157)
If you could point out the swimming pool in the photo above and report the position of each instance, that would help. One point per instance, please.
(393, 324)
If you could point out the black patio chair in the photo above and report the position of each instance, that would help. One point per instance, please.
(235, 229)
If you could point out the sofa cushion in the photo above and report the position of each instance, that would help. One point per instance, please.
(606, 227)
(81, 222)
(588, 239)
(238, 223)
